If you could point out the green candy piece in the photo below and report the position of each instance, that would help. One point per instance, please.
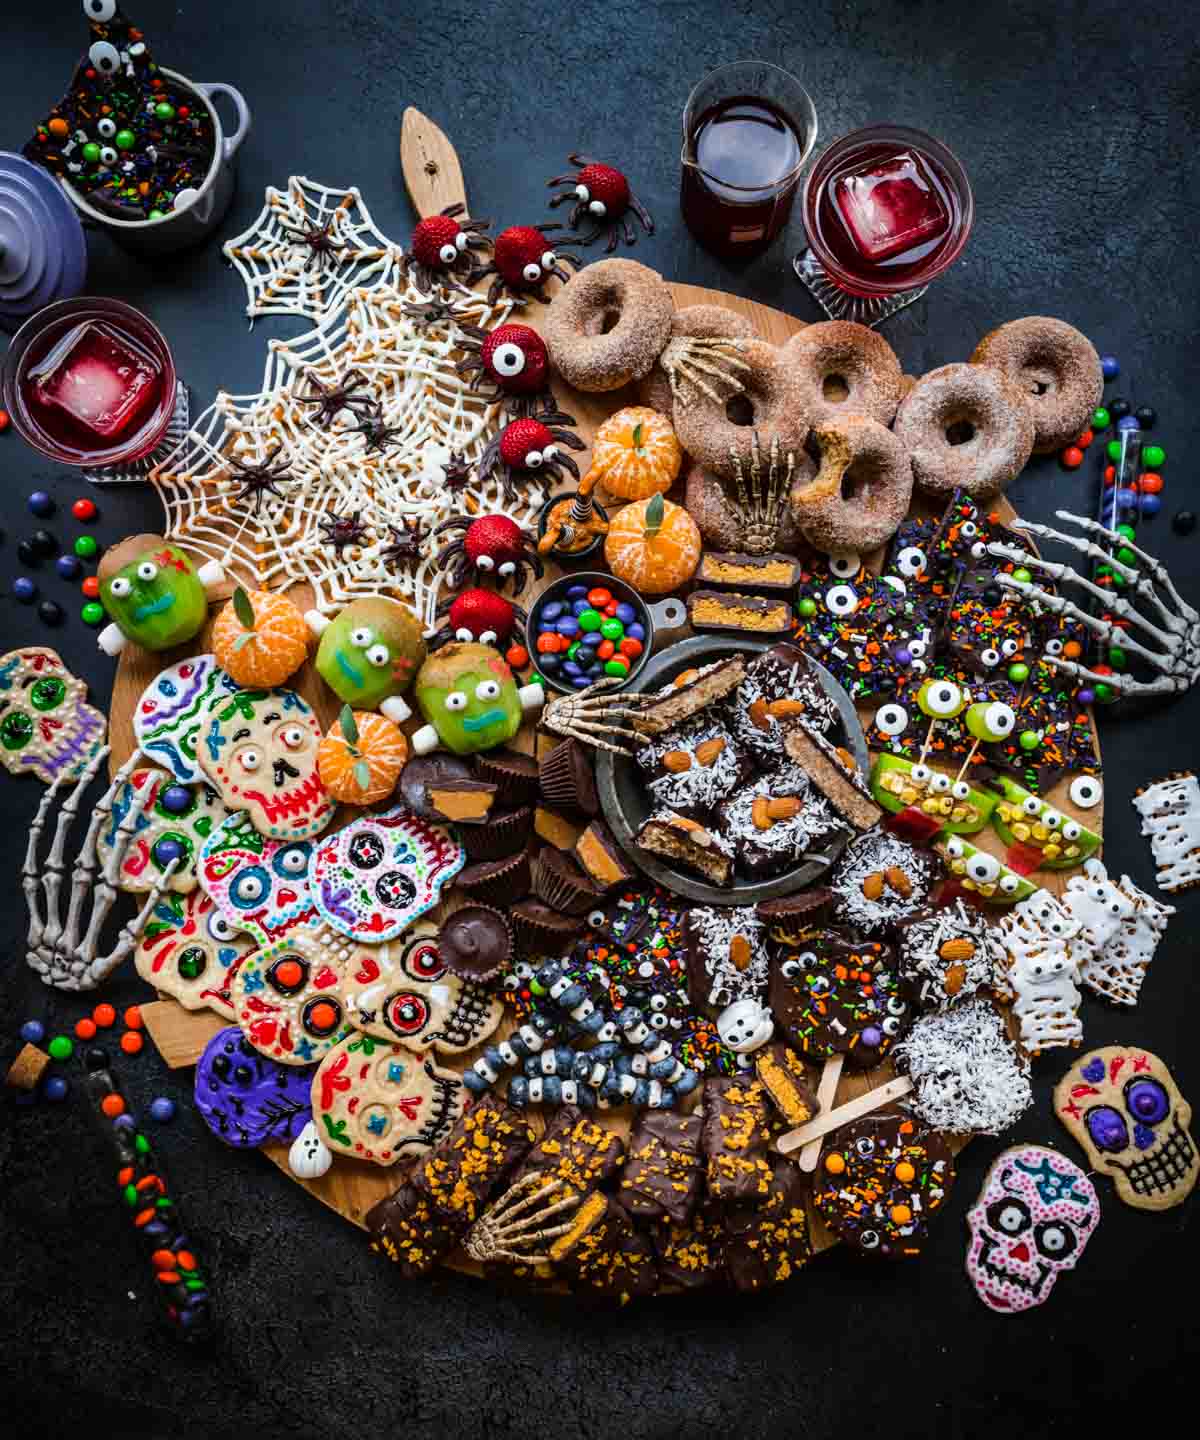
(590, 620)
(978, 803)
(131, 1195)
(125, 140)
(151, 591)
(983, 874)
(614, 667)
(62, 1047)
(536, 987)
(1100, 418)
(1119, 581)
(1127, 531)
(613, 630)
(1105, 694)
(467, 694)
(85, 547)
(807, 608)
(1116, 657)
(92, 613)
(1029, 740)
(1126, 556)
(164, 111)
(1114, 450)
(1022, 575)
(1154, 456)
(1018, 806)
(1018, 673)
(141, 1145)
(573, 649)
(370, 652)
(91, 152)
(156, 215)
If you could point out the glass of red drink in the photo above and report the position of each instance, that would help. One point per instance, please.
(748, 129)
(90, 382)
(886, 209)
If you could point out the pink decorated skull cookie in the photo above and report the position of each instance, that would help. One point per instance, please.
(1031, 1222)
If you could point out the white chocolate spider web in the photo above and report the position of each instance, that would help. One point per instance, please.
(410, 374)
(283, 275)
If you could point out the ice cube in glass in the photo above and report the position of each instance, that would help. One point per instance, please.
(890, 206)
(103, 380)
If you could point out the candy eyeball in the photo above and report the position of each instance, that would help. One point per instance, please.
(790, 969)
(583, 193)
(487, 690)
(508, 359)
(941, 699)
(955, 848)
(843, 566)
(456, 700)
(549, 259)
(911, 561)
(549, 453)
(989, 657)
(598, 207)
(1054, 647)
(960, 790)
(1086, 792)
(103, 57)
(292, 860)
(939, 784)
(917, 648)
(1072, 830)
(864, 1146)
(1009, 648)
(362, 636)
(120, 587)
(487, 637)
(920, 774)
(250, 759)
(1031, 805)
(968, 530)
(1009, 884)
(978, 550)
(378, 655)
(891, 719)
(294, 736)
(249, 889)
(448, 254)
(1051, 819)
(463, 634)
(461, 241)
(841, 600)
(100, 11)
(106, 128)
(869, 1240)
(984, 869)
(532, 273)
(533, 459)
(147, 570)
(108, 156)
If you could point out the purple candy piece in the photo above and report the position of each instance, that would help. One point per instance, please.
(247, 1099)
(1086, 697)
(872, 1037)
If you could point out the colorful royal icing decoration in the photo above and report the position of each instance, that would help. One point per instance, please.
(470, 700)
(170, 714)
(175, 821)
(380, 1102)
(402, 992)
(47, 728)
(1170, 811)
(260, 886)
(189, 951)
(259, 748)
(374, 878)
(153, 594)
(247, 1100)
(287, 997)
(370, 653)
(1031, 1223)
(1123, 1106)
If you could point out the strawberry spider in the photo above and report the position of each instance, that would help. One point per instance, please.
(515, 359)
(479, 615)
(531, 445)
(522, 262)
(602, 194)
(440, 250)
(491, 544)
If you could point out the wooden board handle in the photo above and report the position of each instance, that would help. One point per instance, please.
(432, 174)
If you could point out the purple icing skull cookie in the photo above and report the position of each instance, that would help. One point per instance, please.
(247, 1099)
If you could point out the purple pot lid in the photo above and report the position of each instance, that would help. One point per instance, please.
(247, 1099)
(43, 255)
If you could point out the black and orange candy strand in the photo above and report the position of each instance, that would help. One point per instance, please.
(178, 1281)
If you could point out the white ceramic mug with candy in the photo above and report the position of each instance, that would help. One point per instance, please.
(189, 223)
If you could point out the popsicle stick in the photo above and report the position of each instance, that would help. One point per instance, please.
(432, 174)
(180, 1034)
(810, 1135)
(826, 1090)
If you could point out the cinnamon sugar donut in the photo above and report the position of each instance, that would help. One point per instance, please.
(693, 322)
(1055, 368)
(709, 430)
(862, 489)
(844, 369)
(608, 324)
(968, 426)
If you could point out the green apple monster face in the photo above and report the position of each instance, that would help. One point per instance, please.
(468, 695)
(370, 653)
(153, 595)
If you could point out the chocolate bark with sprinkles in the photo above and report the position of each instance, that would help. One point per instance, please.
(692, 1256)
(736, 1136)
(726, 958)
(614, 1261)
(661, 1179)
(831, 996)
(478, 1155)
(879, 1180)
(576, 1151)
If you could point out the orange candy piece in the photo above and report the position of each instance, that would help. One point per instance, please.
(112, 1106)
(85, 1029)
(131, 1042)
(133, 1017)
(835, 1164)
(905, 1173)
(277, 645)
(380, 747)
(104, 1015)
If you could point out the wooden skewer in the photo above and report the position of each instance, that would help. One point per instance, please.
(826, 1090)
(810, 1135)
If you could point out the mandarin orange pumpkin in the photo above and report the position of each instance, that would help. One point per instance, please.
(360, 759)
(653, 545)
(260, 639)
(635, 454)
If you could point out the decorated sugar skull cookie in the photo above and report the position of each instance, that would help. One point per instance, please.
(380, 1102)
(470, 700)
(175, 823)
(260, 886)
(1123, 1106)
(403, 992)
(288, 998)
(188, 950)
(47, 728)
(247, 1100)
(1031, 1222)
(375, 877)
(370, 654)
(169, 716)
(259, 748)
(153, 594)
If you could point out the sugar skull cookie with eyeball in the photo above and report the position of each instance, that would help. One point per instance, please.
(153, 594)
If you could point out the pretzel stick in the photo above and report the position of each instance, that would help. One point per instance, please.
(826, 1090)
(810, 1135)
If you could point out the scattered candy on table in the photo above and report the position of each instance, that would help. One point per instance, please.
(33, 1032)
(41, 504)
(162, 1109)
(84, 509)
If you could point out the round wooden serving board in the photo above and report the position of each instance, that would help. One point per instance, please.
(352, 1187)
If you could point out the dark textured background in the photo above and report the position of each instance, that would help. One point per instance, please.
(1077, 125)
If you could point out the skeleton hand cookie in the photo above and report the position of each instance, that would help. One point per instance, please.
(1034, 1216)
(1123, 1106)
(153, 594)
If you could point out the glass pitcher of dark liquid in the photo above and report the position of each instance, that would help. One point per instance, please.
(748, 129)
